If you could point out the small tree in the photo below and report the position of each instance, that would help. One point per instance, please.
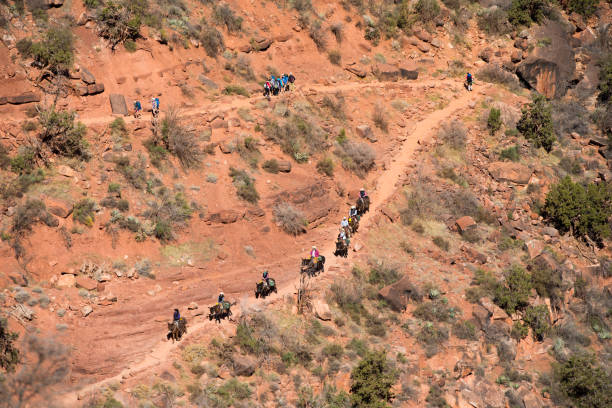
(120, 21)
(585, 7)
(55, 52)
(585, 383)
(427, 9)
(536, 123)
(494, 121)
(526, 12)
(538, 319)
(9, 354)
(513, 294)
(61, 134)
(371, 381)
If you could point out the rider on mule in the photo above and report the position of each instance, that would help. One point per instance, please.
(266, 279)
(176, 317)
(353, 212)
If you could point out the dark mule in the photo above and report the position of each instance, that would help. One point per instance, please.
(220, 311)
(176, 330)
(313, 268)
(262, 289)
(341, 248)
(363, 205)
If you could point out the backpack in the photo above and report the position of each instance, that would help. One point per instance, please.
(469, 77)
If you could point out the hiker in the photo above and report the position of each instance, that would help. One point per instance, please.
(267, 89)
(314, 253)
(344, 223)
(137, 109)
(155, 106)
(469, 80)
(176, 317)
(285, 82)
(291, 78)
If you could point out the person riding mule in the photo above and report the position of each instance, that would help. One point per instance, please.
(314, 264)
(353, 224)
(344, 224)
(363, 202)
(354, 213)
(178, 327)
(341, 245)
(266, 286)
(220, 310)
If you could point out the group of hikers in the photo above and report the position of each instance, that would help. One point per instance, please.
(350, 224)
(275, 85)
(154, 108)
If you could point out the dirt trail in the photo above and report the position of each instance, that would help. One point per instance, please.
(386, 183)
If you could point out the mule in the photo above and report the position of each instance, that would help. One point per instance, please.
(353, 224)
(363, 205)
(341, 248)
(220, 311)
(176, 330)
(262, 290)
(313, 268)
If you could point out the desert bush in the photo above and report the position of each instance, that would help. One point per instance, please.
(243, 68)
(432, 336)
(84, 212)
(271, 166)
(465, 330)
(379, 117)
(371, 381)
(338, 31)
(494, 121)
(536, 123)
(224, 15)
(356, 157)
(383, 274)
(584, 382)
(169, 212)
(55, 52)
(290, 219)
(48, 366)
(570, 116)
(548, 284)
(245, 185)
(9, 353)
(62, 135)
(513, 293)
(441, 243)
(538, 319)
(297, 136)
(435, 397)
(335, 57)
(494, 74)
(494, 21)
(317, 34)
(349, 297)
(526, 12)
(335, 105)
(427, 9)
(235, 90)
(326, 166)
(605, 81)
(511, 153)
(136, 174)
(434, 311)
(24, 46)
(584, 212)
(584, 7)
(570, 165)
(120, 21)
(24, 162)
(211, 40)
(301, 5)
(453, 133)
(180, 139)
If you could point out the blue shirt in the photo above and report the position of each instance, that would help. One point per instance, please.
(177, 315)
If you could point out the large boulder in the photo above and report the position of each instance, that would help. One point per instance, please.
(207, 82)
(86, 283)
(284, 166)
(542, 75)
(87, 76)
(59, 208)
(95, 89)
(321, 310)
(400, 293)
(243, 366)
(26, 97)
(509, 171)
(118, 105)
(66, 281)
(225, 216)
(355, 70)
(385, 72)
(365, 131)
(465, 223)
(408, 73)
(422, 35)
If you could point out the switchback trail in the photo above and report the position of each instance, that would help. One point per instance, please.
(386, 185)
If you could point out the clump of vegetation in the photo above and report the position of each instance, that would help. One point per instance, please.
(297, 136)
(271, 166)
(317, 34)
(356, 157)
(605, 81)
(494, 121)
(513, 293)
(337, 30)
(54, 53)
(326, 166)
(510, 153)
(245, 185)
(584, 7)
(371, 381)
(427, 10)
(169, 212)
(179, 139)
(441, 243)
(84, 212)
(211, 40)
(335, 57)
(494, 74)
(527, 12)
(379, 117)
(235, 90)
(9, 354)
(453, 134)
(584, 383)
(290, 219)
(538, 319)
(120, 21)
(494, 21)
(465, 330)
(536, 123)
(432, 336)
(62, 135)
(224, 15)
(383, 274)
(135, 174)
(582, 211)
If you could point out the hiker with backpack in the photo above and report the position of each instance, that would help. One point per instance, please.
(469, 81)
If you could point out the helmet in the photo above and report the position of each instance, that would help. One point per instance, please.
(221, 294)
(363, 189)
(353, 207)
(314, 247)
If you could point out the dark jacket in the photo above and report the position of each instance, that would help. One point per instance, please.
(177, 315)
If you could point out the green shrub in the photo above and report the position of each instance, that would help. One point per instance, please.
(9, 353)
(379, 117)
(55, 51)
(326, 166)
(298, 136)
(271, 166)
(163, 231)
(519, 330)
(224, 15)
(371, 381)
(432, 336)
(335, 57)
(605, 81)
(245, 185)
(333, 351)
(536, 123)
(570, 207)
(454, 134)
(62, 135)
(547, 283)
(465, 330)
(434, 311)
(24, 46)
(180, 140)
(584, 382)
(510, 153)
(121, 21)
(538, 319)
(494, 21)
(526, 12)
(235, 90)
(494, 121)
(513, 294)
(427, 9)
(84, 212)
(441, 243)
(435, 397)
(212, 41)
(585, 7)
(91, 4)
(24, 162)
(317, 34)
(383, 274)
